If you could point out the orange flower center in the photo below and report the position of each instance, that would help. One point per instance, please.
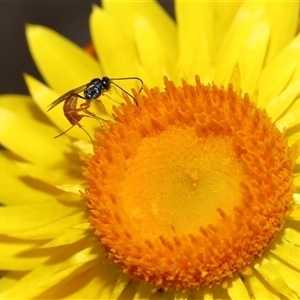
(169, 191)
(189, 187)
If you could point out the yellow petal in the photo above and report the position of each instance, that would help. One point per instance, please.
(293, 138)
(143, 292)
(21, 255)
(275, 76)
(270, 274)
(207, 294)
(38, 146)
(65, 173)
(288, 252)
(115, 50)
(71, 236)
(88, 254)
(71, 188)
(237, 42)
(296, 198)
(70, 273)
(62, 64)
(250, 60)
(219, 293)
(296, 182)
(94, 283)
(235, 78)
(116, 63)
(180, 295)
(69, 198)
(295, 214)
(27, 287)
(290, 120)
(200, 62)
(23, 106)
(16, 188)
(280, 103)
(291, 276)
(237, 289)
(148, 43)
(20, 218)
(43, 96)
(84, 147)
(282, 32)
(198, 294)
(225, 12)
(10, 278)
(296, 74)
(121, 282)
(170, 295)
(99, 283)
(60, 228)
(196, 43)
(252, 55)
(130, 290)
(295, 151)
(151, 10)
(260, 289)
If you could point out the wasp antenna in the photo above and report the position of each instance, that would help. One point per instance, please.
(126, 93)
(130, 78)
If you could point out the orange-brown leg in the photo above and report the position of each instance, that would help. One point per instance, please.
(75, 118)
(84, 108)
(71, 113)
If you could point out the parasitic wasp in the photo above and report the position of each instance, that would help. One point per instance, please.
(91, 91)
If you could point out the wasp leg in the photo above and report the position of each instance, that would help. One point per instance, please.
(75, 121)
(78, 124)
(64, 132)
(84, 108)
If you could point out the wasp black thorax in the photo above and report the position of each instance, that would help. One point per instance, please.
(96, 87)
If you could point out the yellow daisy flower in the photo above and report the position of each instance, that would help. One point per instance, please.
(192, 193)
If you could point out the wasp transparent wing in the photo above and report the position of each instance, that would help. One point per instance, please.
(67, 95)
